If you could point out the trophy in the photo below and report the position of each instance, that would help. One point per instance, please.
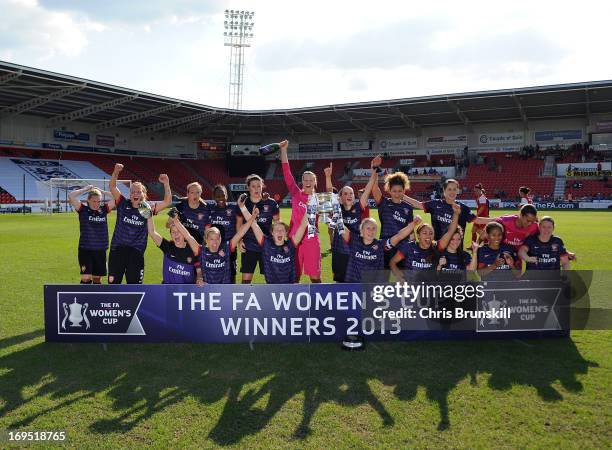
(327, 206)
(269, 149)
(145, 210)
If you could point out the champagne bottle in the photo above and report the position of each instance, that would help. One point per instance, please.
(269, 149)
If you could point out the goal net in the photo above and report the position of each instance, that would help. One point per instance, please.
(55, 191)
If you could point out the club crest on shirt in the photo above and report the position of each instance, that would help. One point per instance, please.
(406, 211)
(189, 259)
(375, 247)
(353, 211)
(228, 212)
(221, 253)
(266, 208)
(554, 247)
(83, 268)
(286, 249)
(200, 216)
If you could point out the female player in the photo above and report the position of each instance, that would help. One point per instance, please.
(226, 217)
(518, 227)
(394, 213)
(482, 210)
(93, 225)
(126, 256)
(193, 211)
(452, 256)
(217, 254)
(526, 199)
(441, 210)
(353, 212)
(367, 252)
(545, 251)
(278, 250)
(181, 255)
(308, 259)
(495, 255)
(268, 213)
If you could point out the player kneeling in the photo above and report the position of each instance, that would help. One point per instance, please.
(181, 255)
(278, 250)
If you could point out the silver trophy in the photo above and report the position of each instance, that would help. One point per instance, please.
(327, 206)
(145, 209)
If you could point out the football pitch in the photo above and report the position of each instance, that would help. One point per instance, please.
(455, 394)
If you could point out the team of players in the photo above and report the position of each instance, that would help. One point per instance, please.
(205, 238)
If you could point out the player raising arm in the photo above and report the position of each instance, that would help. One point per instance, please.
(309, 249)
(217, 254)
(93, 237)
(181, 264)
(367, 252)
(126, 256)
(441, 210)
(278, 249)
(452, 256)
(353, 212)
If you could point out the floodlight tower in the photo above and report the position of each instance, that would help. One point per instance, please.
(237, 36)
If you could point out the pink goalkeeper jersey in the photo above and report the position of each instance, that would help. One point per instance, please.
(299, 200)
(515, 236)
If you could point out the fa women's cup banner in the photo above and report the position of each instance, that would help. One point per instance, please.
(297, 313)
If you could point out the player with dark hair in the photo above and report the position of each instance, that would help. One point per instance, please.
(216, 254)
(545, 251)
(495, 255)
(226, 217)
(181, 255)
(353, 212)
(193, 211)
(394, 213)
(278, 250)
(308, 259)
(482, 210)
(93, 226)
(526, 199)
(126, 256)
(268, 213)
(367, 252)
(441, 210)
(518, 227)
(452, 256)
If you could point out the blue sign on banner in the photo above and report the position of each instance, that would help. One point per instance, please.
(561, 135)
(264, 313)
(61, 135)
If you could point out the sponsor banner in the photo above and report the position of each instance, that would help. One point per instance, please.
(542, 205)
(42, 169)
(399, 144)
(245, 149)
(598, 204)
(444, 151)
(102, 150)
(350, 146)
(122, 151)
(407, 162)
(52, 146)
(501, 149)
(501, 139)
(457, 141)
(559, 135)
(105, 141)
(367, 172)
(320, 147)
(238, 187)
(604, 125)
(588, 173)
(294, 312)
(79, 148)
(187, 156)
(61, 135)
(562, 168)
(6, 142)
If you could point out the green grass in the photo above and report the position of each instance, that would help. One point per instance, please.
(455, 394)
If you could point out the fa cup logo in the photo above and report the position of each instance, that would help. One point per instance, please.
(496, 307)
(76, 315)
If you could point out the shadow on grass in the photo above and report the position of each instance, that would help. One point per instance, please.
(142, 380)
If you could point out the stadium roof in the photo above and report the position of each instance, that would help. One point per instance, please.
(62, 99)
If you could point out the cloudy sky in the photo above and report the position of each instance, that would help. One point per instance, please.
(314, 52)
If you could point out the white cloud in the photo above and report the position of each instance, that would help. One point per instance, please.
(315, 52)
